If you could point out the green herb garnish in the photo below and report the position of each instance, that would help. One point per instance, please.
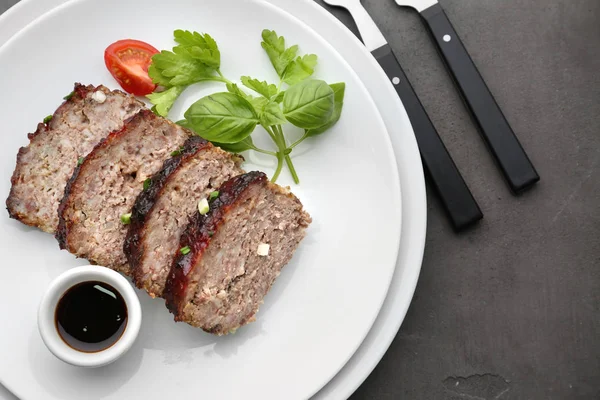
(126, 219)
(213, 195)
(147, 183)
(80, 161)
(228, 118)
(185, 250)
(177, 152)
(68, 97)
(47, 119)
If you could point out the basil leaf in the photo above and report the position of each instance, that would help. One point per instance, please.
(222, 117)
(271, 115)
(338, 103)
(300, 69)
(275, 48)
(184, 123)
(308, 104)
(262, 88)
(163, 101)
(238, 147)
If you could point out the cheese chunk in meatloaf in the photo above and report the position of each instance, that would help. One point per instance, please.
(230, 257)
(161, 213)
(104, 187)
(46, 164)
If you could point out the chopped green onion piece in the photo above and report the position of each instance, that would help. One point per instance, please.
(147, 183)
(177, 152)
(48, 119)
(126, 219)
(185, 250)
(68, 97)
(80, 161)
(213, 195)
(203, 206)
(211, 233)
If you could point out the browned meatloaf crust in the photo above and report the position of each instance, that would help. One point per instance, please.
(220, 283)
(44, 166)
(105, 186)
(161, 213)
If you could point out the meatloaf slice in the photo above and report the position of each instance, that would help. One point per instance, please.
(45, 165)
(230, 257)
(104, 187)
(161, 213)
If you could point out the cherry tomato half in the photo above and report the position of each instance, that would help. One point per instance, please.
(128, 61)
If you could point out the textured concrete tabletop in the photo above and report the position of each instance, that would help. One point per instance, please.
(511, 308)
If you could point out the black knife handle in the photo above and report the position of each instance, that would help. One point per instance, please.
(451, 187)
(497, 133)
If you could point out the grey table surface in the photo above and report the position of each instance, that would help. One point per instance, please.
(511, 308)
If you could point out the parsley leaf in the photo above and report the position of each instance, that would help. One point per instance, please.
(235, 89)
(278, 98)
(200, 46)
(178, 68)
(271, 115)
(257, 102)
(300, 69)
(163, 101)
(275, 47)
(263, 88)
(156, 75)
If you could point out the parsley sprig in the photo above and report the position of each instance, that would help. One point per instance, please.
(229, 118)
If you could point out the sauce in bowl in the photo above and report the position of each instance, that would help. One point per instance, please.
(91, 316)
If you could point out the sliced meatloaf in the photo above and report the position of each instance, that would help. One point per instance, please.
(45, 165)
(230, 257)
(104, 187)
(161, 213)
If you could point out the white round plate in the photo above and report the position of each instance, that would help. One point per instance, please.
(411, 177)
(325, 301)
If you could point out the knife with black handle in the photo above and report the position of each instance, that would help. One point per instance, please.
(456, 197)
(508, 153)
(461, 207)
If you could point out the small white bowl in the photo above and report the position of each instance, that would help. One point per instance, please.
(58, 287)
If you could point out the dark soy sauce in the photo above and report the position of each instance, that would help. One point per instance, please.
(91, 316)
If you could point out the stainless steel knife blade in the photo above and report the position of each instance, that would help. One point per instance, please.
(370, 33)
(418, 5)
